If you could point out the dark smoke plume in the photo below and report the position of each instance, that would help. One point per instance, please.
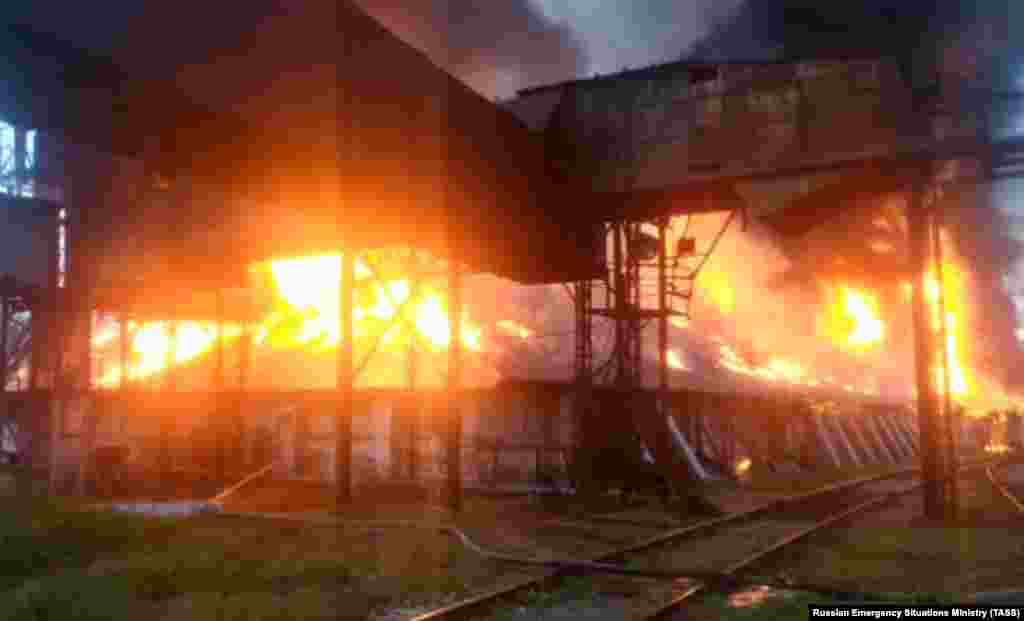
(496, 47)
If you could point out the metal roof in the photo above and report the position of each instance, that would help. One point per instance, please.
(315, 127)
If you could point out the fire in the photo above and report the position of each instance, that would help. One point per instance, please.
(955, 294)
(718, 289)
(306, 314)
(152, 345)
(679, 322)
(515, 329)
(743, 465)
(997, 449)
(308, 287)
(675, 361)
(786, 370)
(777, 369)
(860, 311)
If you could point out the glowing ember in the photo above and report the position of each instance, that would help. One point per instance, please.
(743, 465)
(997, 449)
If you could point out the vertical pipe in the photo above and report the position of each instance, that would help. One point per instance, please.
(927, 403)
(346, 380)
(454, 385)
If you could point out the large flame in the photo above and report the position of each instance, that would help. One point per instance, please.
(954, 297)
(715, 284)
(305, 314)
(853, 319)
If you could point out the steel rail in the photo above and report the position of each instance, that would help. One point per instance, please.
(1005, 491)
(667, 611)
(470, 607)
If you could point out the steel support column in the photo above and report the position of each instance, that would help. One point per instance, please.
(219, 428)
(620, 295)
(663, 384)
(414, 408)
(165, 416)
(924, 358)
(346, 381)
(949, 455)
(454, 482)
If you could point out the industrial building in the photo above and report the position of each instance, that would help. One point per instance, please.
(148, 198)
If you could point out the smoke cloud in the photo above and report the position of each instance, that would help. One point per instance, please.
(495, 47)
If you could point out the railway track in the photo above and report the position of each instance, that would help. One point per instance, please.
(1004, 490)
(663, 575)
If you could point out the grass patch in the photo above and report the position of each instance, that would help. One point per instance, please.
(952, 560)
(573, 590)
(60, 563)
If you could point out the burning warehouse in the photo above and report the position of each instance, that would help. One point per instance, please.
(298, 271)
(285, 238)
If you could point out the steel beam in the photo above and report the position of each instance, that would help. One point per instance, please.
(918, 225)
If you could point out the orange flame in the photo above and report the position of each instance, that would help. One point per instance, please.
(716, 283)
(675, 361)
(305, 314)
(515, 329)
